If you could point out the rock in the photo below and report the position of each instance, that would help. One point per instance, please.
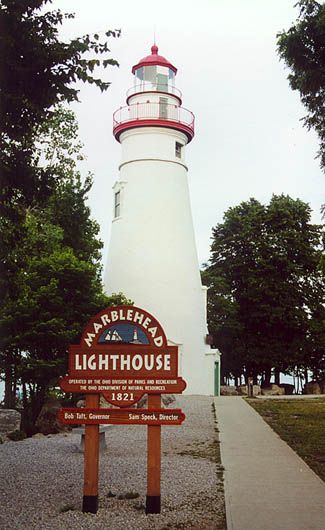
(243, 390)
(312, 388)
(256, 390)
(226, 390)
(9, 420)
(272, 390)
(288, 389)
(47, 422)
(166, 399)
(104, 404)
(143, 402)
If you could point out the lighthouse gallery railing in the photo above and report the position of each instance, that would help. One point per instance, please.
(154, 111)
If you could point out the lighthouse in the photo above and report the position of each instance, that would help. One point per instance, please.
(152, 257)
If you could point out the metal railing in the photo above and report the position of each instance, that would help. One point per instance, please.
(154, 111)
(154, 87)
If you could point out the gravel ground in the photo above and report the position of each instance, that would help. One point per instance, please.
(41, 479)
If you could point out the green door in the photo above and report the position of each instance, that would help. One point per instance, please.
(217, 378)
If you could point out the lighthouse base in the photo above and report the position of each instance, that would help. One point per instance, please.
(201, 372)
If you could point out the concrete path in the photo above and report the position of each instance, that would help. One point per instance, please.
(267, 486)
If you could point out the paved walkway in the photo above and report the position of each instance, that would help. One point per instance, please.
(267, 486)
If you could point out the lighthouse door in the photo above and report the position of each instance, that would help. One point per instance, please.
(163, 108)
(217, 378)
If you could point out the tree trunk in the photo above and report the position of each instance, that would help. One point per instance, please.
(276, 376)
(267, 377)
(10, 398)
(26, 412)
(37, 402)
(306, 375)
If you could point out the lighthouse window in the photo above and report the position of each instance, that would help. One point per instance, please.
(139, 73)
(150, 73)
(178, 150)
(117, 204)
(163, 113)
(162, 83)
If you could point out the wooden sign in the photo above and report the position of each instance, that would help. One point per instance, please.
(123, 324)
(123, 354)
(159, 416)
(123, 392)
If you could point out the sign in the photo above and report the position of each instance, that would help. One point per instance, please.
(74, 416)
(126, 324)
(123, 354)
(123, 392)
(123, 361)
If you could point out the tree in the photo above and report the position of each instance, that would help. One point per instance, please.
(302, 47)
(58, 293)
(38, 71)
(224, 323)
(265, 286)
(58, 285)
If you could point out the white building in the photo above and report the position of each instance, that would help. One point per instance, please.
(152, 253)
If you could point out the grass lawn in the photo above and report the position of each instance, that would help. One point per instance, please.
(300, 423)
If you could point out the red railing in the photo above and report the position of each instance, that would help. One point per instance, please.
(153, 111)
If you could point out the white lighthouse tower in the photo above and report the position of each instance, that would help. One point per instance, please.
(152, 253)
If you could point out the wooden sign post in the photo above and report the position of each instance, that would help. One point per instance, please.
(154, 461)
(123, 355)
(91, 461)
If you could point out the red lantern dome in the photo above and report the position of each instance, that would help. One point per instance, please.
(154, 59)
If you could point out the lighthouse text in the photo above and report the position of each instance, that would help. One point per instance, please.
(122, 362)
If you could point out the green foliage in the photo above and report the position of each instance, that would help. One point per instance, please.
(38, 70)
(50, 272)
(265, 287)
(302, 47)
(58, 285)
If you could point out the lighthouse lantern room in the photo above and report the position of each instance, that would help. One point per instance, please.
(152, 254)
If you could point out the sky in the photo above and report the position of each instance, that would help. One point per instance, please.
(249, 141)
